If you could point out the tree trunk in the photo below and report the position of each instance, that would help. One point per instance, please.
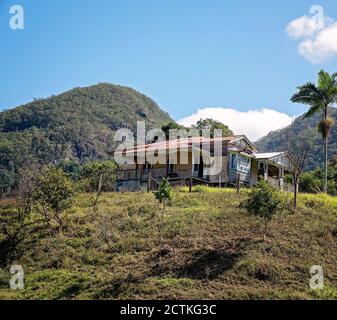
(325, 143)
(162, 222)
(325, 164)
(295, 193)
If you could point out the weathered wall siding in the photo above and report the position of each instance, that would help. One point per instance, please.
(254, 173)
(223, 174)
(127, 186)
(159, 166)
(129, 166)
(183, 170)
(233, 174)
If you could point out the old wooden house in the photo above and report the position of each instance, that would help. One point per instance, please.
(193, 159)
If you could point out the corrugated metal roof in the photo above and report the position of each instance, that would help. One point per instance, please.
(182, 142)
(268, 155)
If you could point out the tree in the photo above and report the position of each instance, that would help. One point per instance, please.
(298, 149)
(17, 220)
(320, 97)
(163, 195)
(54, 192)
(72, 168)
(171, 126)
(264, 201)
(6, 182)
(99, 176)
(211, 125)
(310, 182)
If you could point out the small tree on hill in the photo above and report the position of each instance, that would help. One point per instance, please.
(264, 201)
(163, 195)
(54, 192)
(99, 176)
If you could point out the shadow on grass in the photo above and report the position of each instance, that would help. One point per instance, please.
(208, 264)
(9, 251)
(201, 264)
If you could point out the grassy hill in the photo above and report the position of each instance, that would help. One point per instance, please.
(278, 140)
(211, 249)
(77, 125)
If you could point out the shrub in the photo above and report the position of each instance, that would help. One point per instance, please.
(264, 201)
(54, 192)
(97, 177)
(310, 183)
(163, 195)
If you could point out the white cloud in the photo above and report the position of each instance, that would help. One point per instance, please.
(322, 47)
(303, 27)
(318, 40)
(253, 123)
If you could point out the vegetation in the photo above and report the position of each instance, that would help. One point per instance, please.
(312, 181)
(264, 201)
(171, 126)
(211, 125)
(97, 177)
(71, 128)
(306, 128)
(320, 98)
(163, 195)
(53, 193)
(216, 249)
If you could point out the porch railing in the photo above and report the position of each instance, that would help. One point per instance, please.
(276, 184)
(141, 174)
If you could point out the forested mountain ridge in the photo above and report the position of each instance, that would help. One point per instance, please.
(77, 125)
(278, 140)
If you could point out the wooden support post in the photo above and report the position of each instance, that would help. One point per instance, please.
(191, 184)
(281, 179)
(266, 171)
(238, 183)
(220, 180)
(149, 182)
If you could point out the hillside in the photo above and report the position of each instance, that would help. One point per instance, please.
(211, 249)
(76, 125)
(278, 140)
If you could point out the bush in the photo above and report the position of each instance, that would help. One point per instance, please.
(54, 192)
(99, 175)
(264, 201)
(310, 183)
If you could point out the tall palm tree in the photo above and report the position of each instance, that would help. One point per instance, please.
(320, 97)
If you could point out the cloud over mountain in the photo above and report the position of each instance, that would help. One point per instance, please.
(253, 123)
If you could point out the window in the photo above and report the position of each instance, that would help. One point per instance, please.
(239, 163)
(244, 164)
(233, 161)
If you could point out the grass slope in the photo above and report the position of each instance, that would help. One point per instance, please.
(211, 249)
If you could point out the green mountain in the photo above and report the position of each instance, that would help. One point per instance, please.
(76, 125)
(278, 140)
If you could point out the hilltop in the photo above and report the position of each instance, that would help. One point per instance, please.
(77, 125)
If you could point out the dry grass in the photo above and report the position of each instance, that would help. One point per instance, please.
(211, 249)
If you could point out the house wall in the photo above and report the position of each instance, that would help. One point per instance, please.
(182, 169)
(223, 174)
(254, 173)
(233, 176)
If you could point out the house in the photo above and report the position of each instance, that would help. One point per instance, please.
(220, 161)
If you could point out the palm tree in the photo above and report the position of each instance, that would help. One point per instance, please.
(320, 97)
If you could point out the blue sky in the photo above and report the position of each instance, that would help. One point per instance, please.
(186, 55)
